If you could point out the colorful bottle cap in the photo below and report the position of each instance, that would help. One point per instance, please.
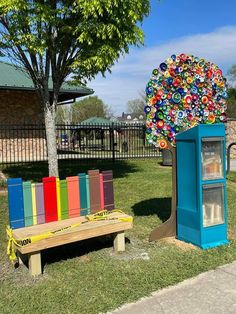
(176, 97)
(163, 66)
(160, 124)
(155, 72)
(160, 115)
(180, 114)
(162, 143)
(211, 118)
(147, 109)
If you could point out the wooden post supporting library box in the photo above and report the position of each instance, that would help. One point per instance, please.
(201, 186)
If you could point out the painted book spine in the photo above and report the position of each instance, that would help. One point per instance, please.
(50, 198)
(101, 190)
(73, 196)
(15, 202)
(88, 194)
(94, 185)
(34, 208)
(83, 194)
(64, 199)
(28, 209)
(40, 203)
(108, 190)
(58, 199)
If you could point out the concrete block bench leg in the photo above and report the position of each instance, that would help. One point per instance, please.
(119, 242)
(35, 265)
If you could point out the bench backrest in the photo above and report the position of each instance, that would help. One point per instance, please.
(54, 199)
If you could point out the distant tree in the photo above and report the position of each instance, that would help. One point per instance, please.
(231, 103)
(232, 71)
(136, 106)
(91, 106)
(64, 114)
(60, 118)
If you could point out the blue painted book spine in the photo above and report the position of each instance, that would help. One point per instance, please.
(16, 203)
(83, 194)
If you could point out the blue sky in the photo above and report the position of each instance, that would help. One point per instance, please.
(206, 29)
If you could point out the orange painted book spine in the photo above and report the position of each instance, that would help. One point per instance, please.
(73, 196)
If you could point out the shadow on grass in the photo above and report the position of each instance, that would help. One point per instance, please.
(160, 163)
(155, 206)
(231, 176)
(37, 170)
(77, 249)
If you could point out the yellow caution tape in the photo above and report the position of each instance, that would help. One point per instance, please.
(104, 215)
(25, 241)
(10, 245)
(101, 215)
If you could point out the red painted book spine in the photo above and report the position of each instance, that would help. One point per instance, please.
(50, 199)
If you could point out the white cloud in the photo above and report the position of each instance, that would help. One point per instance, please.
(131, 73)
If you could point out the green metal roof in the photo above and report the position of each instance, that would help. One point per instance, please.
(12, 77)
(96, 120)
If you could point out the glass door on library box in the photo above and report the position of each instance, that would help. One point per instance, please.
(212, 158)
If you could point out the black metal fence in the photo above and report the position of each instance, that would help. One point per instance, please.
(27, 143)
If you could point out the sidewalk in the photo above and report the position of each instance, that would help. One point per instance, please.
(213, 292)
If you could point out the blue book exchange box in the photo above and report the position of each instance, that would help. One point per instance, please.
(201, 186)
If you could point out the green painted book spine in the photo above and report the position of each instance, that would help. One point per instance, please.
(28, 209)
(64, 199)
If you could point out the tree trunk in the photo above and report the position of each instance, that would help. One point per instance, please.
(49, 115)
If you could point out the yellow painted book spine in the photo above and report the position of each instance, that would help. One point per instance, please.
(58, 199)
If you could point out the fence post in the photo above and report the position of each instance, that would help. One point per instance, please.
(113, 142)
(144, 135)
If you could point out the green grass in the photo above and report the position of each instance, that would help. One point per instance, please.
(88, 277)
(3, 183)
(231, 176)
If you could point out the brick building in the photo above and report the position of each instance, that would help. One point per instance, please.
(20, 107)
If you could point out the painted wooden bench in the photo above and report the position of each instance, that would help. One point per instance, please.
(60, 209)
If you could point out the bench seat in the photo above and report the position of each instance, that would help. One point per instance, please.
(88, 229)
